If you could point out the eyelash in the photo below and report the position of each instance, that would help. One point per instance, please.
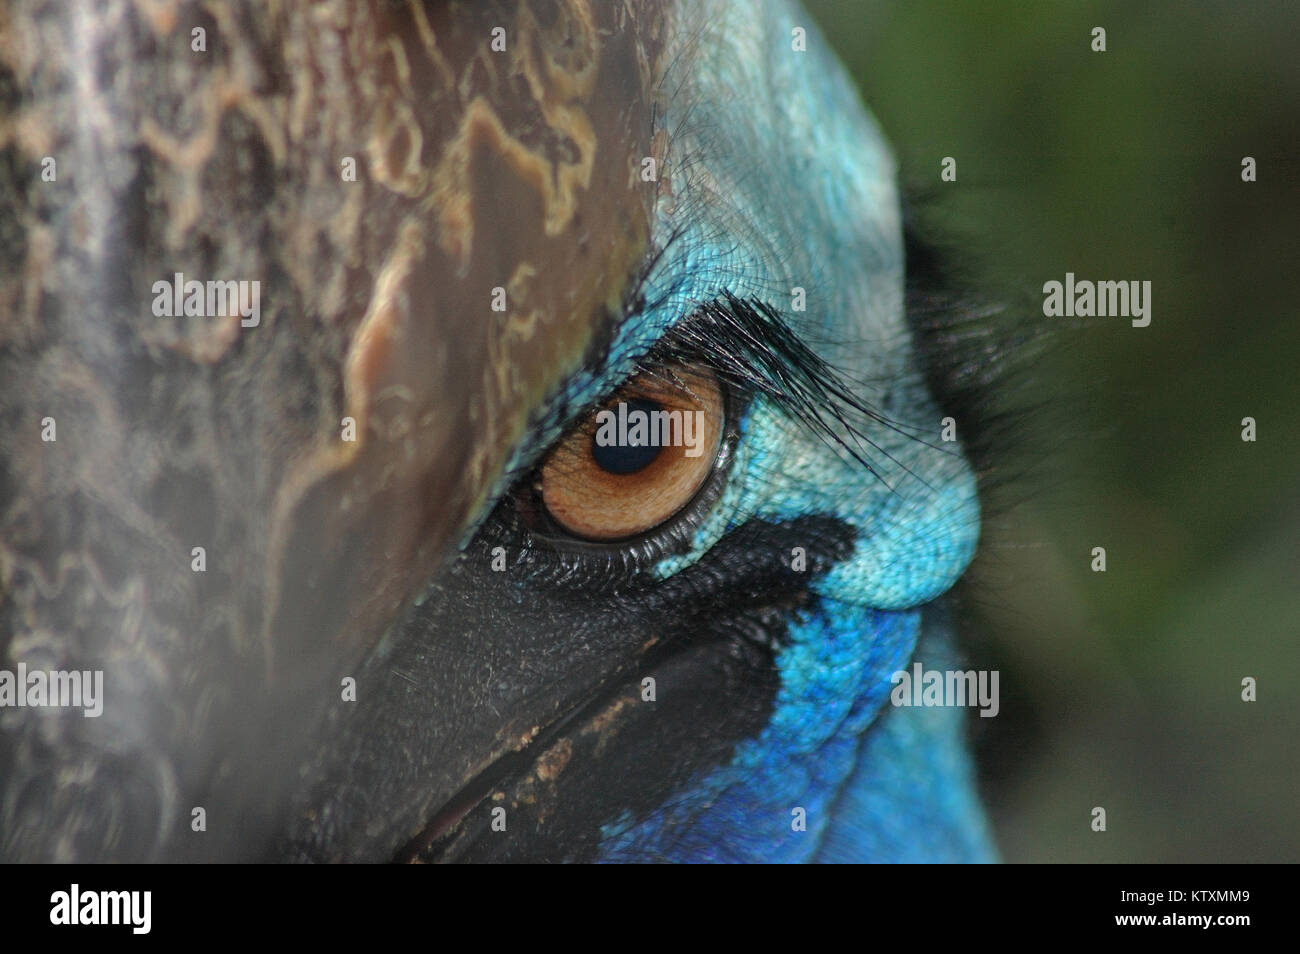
(754, 354)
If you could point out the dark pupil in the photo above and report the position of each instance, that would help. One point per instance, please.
(624, 455)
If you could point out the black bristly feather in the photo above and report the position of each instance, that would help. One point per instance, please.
(982, 349)
(978, 349)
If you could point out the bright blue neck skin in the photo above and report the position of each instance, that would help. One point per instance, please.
(777, 178)
(911, 797)
(880, 785)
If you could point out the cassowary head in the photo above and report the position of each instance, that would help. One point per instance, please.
(371, 554)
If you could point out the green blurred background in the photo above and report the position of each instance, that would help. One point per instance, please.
(1123, 689)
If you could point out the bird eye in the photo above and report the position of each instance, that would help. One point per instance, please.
(637, 460)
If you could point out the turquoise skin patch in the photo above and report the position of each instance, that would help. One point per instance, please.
(797, 191)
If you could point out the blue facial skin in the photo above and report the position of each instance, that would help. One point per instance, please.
(777, 178)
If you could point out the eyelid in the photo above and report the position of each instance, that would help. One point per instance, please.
(753, 353)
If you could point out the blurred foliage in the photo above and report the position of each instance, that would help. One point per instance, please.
(1122, 689)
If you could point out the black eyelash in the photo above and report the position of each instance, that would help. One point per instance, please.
(754, 351)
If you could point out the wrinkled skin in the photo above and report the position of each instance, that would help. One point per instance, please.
(371, 560)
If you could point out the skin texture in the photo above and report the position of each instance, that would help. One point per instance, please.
(477, 687)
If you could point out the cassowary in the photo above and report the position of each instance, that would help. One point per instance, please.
(312, 318)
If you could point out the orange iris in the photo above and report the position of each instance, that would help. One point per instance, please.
(639, 459)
